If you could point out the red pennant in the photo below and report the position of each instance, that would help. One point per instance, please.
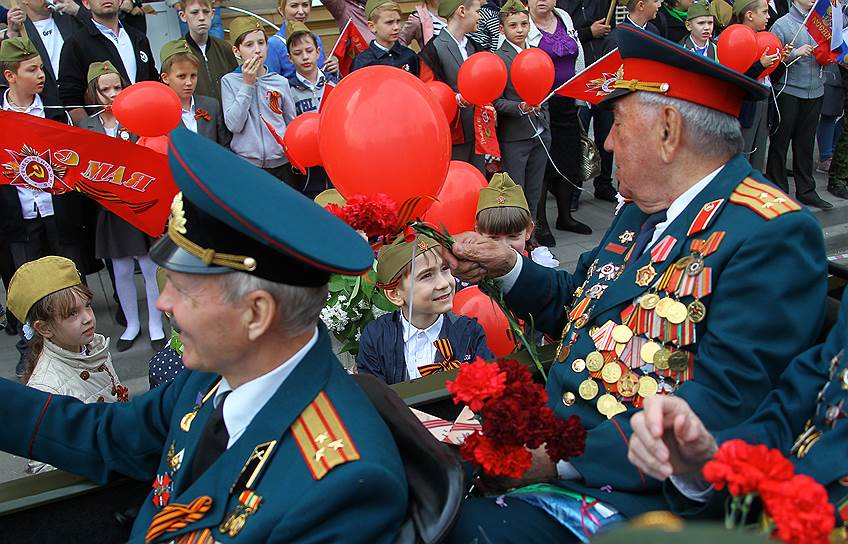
(349, 44)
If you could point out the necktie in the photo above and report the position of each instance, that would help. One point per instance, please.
(213, 441)
(645, 235)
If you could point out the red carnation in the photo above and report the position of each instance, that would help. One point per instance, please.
(800, 509)
(476, 383)
(743, 467)
(496, 459)
(374, 215)
(566, 437)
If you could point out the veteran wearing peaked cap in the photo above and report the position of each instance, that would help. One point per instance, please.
(682, 296)
(265, 438)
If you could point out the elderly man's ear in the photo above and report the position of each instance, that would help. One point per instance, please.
(671, 129)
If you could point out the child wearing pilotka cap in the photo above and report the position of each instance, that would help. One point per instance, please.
(385, 49)
(423, 337)
(251, 94)
(700, 24)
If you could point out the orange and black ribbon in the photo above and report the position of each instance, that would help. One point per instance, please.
(177, 516)
(200, 113)
(443, 346)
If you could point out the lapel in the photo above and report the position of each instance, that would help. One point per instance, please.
(397, 349)
(625, 288)
(451, 46)
(35, 37)
(272, 422)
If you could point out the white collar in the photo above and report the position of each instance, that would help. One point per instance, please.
(191, 107)
(518, 49)
(37, 104)
(682, 202)
(308, 83)
(460, 44)
(377, 44)
(632, 22)
(410, 330)
(249, 398)
(106, 30)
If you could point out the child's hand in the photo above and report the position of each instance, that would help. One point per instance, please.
(461, 101)
(332, 64)
(767, 60)
(526, 109)
(804, 51)
(250, 69)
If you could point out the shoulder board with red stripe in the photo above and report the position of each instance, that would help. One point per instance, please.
(764, 199)
(708, 212)
(322, 437)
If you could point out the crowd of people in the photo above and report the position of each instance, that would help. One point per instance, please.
(658, 315)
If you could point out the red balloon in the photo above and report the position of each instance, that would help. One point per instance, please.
(472, 303)
(148, 108)
(771, 44)
(300, 141)
(158, 144)
(384, 132)
(456, 208)
(482, 78)
(532, 75)
(737, 47)
(446, 98)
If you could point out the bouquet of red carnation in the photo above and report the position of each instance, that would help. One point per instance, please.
(515, 417)
(795, 506)
(376, 216)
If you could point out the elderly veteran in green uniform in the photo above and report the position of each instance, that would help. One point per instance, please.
(705, 286)
(266, 438)
(804, 417)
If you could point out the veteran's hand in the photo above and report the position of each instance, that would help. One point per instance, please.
(475, 257)
(542, 470)
(668, 438)
(15, 19)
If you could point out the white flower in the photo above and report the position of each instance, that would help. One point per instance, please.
(378, 312)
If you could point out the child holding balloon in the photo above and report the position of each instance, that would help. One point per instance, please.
(252, 97)
(523, 130)
(423, 337)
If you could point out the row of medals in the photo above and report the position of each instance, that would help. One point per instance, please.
(630, 384)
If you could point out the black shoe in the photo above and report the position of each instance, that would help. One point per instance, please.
(574, 226)
(607, 194)
(120, 318)
(124, 345)
(545, 237)
(838, 190)
(575, 200)
(20, 369)
(814, 200)
(158, 345)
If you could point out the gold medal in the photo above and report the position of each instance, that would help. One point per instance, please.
(684, 262)
(662, 307)
(628, 384)
(237, 524)
(581, 321)
(611, 372)
(678, 361)
(616, 409)
(649, 349)
(562, 352)
(594, 361)
(185, 422)
(696, 266)
(622, 334)
(607, 404)
(676, 313)
(645, 275)
(647, 386)
(661, 359)
(649, 301)
(568, 398)
(619, 348)
(588, 389)
(593, 330)
(696, 311)
(578, 365)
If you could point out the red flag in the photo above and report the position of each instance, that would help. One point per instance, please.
(349, 44)
(282, 143)
(328, 88)
(129, 180)
(596, 81)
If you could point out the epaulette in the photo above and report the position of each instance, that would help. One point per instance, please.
(322, 437)
(764, 199)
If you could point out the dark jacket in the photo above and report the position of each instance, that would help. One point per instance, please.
(398, 56)
(512, 124)
(583, 14)
(213, 127)
(671, 28)
(612, 38)
(381, 345)
(67, 25)
(88, 45)
(219, 60)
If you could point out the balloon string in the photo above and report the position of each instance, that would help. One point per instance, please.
(548, 153)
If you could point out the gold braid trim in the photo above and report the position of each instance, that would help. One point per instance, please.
(636, 85)
(208, 255)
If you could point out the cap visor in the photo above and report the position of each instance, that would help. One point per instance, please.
(170, 256)
(607, 102)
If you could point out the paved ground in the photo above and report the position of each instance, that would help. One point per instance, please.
(131, 365)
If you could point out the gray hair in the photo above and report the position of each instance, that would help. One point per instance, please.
(711, 132)
(299, 307)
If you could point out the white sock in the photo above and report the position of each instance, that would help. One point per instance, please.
(125, 286)
(151, 286)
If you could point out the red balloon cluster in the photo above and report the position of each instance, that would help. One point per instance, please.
(148, 108)
(473, 303)
(383, 131)
(737, 48)
(532, 75)
(482, 78)
(456, 207)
